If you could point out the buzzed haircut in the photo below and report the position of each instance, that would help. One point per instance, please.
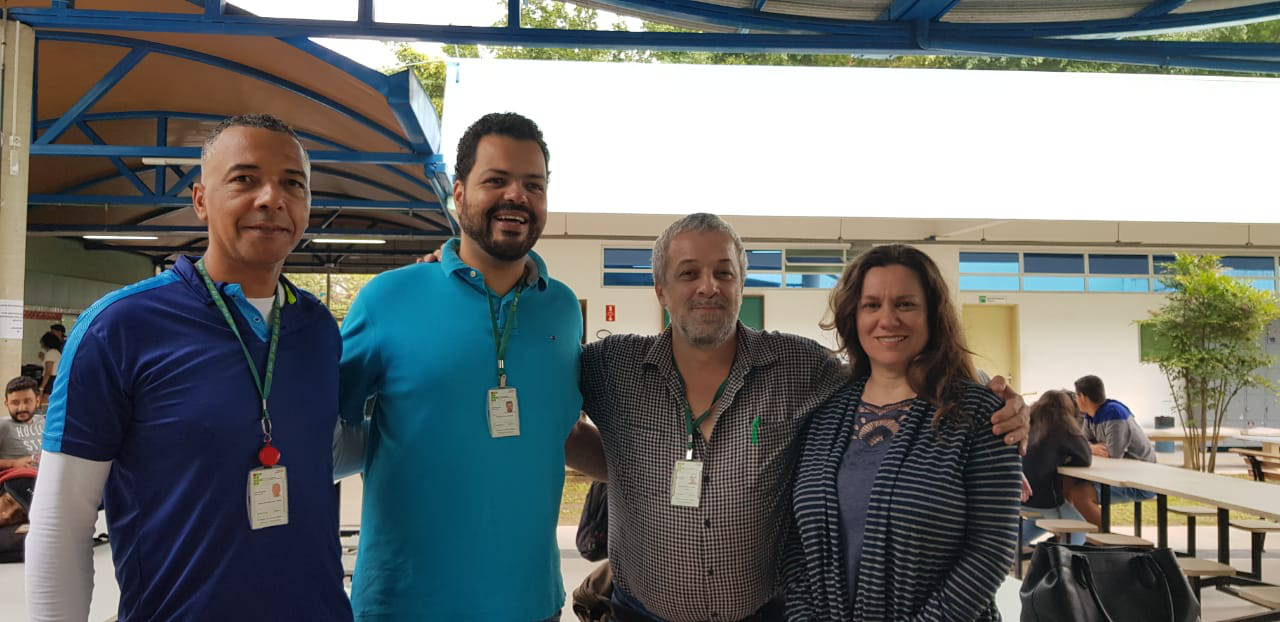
(21, 383)
(507, 124)
(260, 120)
(1091, 387)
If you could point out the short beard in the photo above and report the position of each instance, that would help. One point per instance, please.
(14, 416)
(707, 336)
(476, 226)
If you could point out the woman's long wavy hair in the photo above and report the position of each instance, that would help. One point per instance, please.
(939, 371)
(1054, 415)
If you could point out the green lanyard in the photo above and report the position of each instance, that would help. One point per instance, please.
(500, 341)
(693, 423)
(264, 385)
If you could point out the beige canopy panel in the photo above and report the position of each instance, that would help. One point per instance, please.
(119, 118)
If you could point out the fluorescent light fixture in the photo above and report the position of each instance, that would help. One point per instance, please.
(170, 161)
(120, 237)
(348, 241)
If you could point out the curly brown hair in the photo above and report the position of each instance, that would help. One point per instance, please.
(938, 373)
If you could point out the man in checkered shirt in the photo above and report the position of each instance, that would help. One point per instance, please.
(697, 425)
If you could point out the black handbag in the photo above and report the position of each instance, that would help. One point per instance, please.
(593, 528)
(1091, 584)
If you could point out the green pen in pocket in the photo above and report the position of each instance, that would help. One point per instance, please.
(755, 430)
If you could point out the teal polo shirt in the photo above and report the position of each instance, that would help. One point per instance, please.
(458, 525)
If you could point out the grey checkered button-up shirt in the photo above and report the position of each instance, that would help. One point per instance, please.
(719, 561)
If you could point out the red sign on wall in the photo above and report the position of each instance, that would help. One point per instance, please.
(609, 315)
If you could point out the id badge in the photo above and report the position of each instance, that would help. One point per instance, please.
(686, 483)
(268, 497)
(504, 412)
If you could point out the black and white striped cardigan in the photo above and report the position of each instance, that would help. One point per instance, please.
(941, 521)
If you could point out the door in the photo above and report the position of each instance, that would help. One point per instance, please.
(992, 334)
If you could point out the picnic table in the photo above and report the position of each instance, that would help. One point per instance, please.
(1220, 491)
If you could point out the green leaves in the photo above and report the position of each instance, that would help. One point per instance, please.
(1210, 341)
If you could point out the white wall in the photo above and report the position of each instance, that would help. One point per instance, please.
(578, 264)
(1062, 336)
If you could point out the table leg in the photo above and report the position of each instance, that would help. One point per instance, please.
(1137, 518)
(1104, 499)
(1224, 536)
(1162, 521)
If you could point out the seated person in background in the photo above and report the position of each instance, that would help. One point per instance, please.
(20, 434)
(1113, 432)
(1056, 440)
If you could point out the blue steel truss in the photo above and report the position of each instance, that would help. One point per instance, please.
(908, 27)
(420, 139)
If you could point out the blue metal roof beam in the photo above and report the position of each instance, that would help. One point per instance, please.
(221, 63)
(99, 200)
(95, 93)
(912, 10)
(201, 229)
(353, 249)
(148, 114)
(147, 151)
(124, 171)
(1160, 7)
(881, 33)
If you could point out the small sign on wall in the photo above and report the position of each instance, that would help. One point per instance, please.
(10, 319)
(609, 314)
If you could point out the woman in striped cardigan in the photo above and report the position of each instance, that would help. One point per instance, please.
(905, 503)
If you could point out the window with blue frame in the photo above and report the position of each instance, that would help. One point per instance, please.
(989, 272)
(1119, 273)
(803, 268)
(628, 267)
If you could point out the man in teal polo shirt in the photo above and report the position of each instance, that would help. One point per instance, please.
(462, 493)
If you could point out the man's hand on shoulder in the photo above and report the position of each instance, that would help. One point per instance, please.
(432, 257)
(1014, 419)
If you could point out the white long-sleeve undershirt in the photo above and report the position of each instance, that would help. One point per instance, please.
(59, 546)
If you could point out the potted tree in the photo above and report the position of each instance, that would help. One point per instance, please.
(1208, 344)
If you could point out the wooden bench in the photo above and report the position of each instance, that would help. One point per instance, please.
(1258, 530)
(1118, 539)
(1196, 569)
(1192, 512)
(1265, 466)
(1061, 528)
(1264, 595)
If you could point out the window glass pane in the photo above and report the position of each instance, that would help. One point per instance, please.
(1118, 284)
(815, 255)
(638, 258)
(1000, 263)
(763, 279)
(764, 260)
(1054, 263)
(1118, 264)
(1266, 285)
(973, 283)
(812, 281)
(628, 279)
(1161, 264)
(1158, 287)
(1053, 283)
(1249, 266)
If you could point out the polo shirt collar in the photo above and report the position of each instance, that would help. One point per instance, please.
(451, 263)
(751, 351)
(185, 267)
